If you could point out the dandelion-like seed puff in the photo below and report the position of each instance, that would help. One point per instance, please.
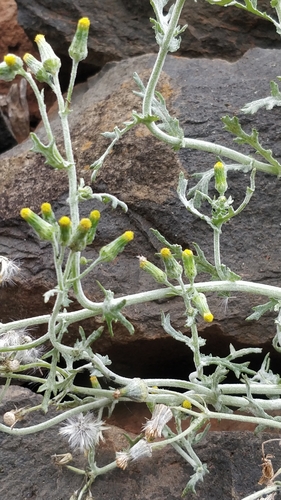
(83, 431)
(8, 269)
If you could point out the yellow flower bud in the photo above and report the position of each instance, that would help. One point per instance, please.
(10, 59)
(189, 265)
(150, 268)
(44, 230)
(37, 68)
(94, 382)
(186, 404)
(172, 267)
(165, 253)
(208, 317)
(13, 62)
(65, 230)
(79, 239)
(220, 178)
(201, 304)
(50, 60)
(94, 218)
(78, 48)
(47, 213)
(110, 251)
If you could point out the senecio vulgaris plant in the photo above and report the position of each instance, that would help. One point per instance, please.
(83, 411)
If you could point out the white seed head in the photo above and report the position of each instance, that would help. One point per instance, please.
(83, 431)
(122, 459)
(160, 416)
(8, 269)
(141, 449)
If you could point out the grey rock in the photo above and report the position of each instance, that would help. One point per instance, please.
(121, 28)
(27, 470)
(144, 173)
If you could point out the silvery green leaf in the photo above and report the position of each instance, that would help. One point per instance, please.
(175, 249)
(50, 293)
(109, 198)
(195, 478)
(166, 324)
(104, 359)
(233, 125)
(109, 135)
(262, 309)
(267, 102)
(51, 152)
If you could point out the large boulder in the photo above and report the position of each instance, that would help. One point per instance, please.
(28, 469)
(144, 173)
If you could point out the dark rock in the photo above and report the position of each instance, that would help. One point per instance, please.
(121, 29)
(144, 173)
(28, 472)
(8, 140)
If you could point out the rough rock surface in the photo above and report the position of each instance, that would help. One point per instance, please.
(121, 28)
(199, 92)
(28, 472)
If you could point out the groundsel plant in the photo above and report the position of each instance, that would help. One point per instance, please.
(83, 412)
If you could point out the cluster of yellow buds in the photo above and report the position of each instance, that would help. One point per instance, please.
(50, 63)
(174, 270)
(48, 228)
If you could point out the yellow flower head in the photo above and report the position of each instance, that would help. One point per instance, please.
(44, 230)
(10, 59)
(186, 404)
(208, 317)
(188, 252)
(84, 23)
(165, 253)
(39, 38)
(25, 213)
(85, 224)
(65, 221)
(110, 251)
(78, 48)
(219, 165)
(128, 235)
(94, 216)
(46, 208)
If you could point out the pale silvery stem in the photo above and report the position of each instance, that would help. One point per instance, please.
(157, 69)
